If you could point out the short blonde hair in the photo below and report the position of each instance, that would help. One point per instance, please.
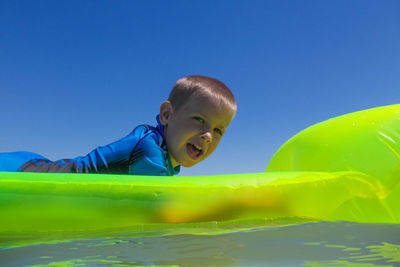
(197, 85)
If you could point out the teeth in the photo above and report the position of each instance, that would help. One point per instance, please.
(195, 146)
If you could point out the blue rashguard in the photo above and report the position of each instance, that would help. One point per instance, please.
(142, 152)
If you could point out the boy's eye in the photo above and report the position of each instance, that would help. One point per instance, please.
(199, 119)
(218, 131)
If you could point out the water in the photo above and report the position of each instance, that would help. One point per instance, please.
(308, 244)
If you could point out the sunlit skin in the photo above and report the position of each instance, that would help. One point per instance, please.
(193, 132)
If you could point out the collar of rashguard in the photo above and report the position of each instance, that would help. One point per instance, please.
(160, 129)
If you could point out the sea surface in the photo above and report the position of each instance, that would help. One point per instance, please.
(304, 244)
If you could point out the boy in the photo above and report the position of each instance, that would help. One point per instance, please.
(190, 125)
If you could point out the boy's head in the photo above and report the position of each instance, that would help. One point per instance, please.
(195, 117)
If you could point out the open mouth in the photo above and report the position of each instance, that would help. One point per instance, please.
(194, 151)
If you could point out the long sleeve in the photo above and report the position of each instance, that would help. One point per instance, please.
(142, 152)
(112, 158)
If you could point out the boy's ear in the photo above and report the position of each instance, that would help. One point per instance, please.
(165, 112)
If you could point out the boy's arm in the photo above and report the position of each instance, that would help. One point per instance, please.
(112, 158)
(139, 153)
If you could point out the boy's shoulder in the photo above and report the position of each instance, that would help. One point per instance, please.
(145, 131)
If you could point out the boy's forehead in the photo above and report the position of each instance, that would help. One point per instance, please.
(203, 102)
(209, 107)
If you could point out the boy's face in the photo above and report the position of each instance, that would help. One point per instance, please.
(193, 132)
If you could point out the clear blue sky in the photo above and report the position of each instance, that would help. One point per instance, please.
(78, 74)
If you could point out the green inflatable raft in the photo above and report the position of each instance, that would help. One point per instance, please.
(346, 168)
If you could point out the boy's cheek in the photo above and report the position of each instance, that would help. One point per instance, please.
(212, 149)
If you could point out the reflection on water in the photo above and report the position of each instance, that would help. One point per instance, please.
(309, 244)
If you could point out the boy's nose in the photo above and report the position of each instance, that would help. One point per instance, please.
(207, 136)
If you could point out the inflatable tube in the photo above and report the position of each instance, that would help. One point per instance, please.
(342, 169)
(367, 141)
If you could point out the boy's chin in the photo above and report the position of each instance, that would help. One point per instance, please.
(188, 165)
